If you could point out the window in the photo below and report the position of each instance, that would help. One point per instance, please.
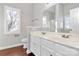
(12, 20)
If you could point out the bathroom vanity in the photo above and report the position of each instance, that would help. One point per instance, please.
(59, 34)
(53, 44)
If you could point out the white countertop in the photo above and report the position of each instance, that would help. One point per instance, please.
(72, 41)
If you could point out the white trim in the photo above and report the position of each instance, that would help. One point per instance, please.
(28, 51)
(11, 46)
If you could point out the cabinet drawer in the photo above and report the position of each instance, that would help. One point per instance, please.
(47, 43)
(45, 51)
(66, 51)
(35, 39)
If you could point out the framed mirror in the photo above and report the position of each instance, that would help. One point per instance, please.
(53, 18)
(48, 20)
(62, 18)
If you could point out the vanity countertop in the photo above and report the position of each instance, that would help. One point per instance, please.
(72, 41)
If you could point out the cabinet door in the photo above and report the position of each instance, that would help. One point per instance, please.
(35, 45)
(35, 48)
(46, 51)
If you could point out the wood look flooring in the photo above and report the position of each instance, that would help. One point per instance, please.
(16, 51)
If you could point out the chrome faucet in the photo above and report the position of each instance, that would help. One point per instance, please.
(66, 36)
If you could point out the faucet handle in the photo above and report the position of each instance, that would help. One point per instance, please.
(65, 36)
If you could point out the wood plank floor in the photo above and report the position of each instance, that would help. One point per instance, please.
(16, 51)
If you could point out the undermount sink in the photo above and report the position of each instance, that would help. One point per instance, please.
(43, 33)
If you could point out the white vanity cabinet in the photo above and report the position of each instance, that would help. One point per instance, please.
(45, 47)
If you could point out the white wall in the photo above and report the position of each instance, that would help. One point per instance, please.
(26, 16)
(38, 14)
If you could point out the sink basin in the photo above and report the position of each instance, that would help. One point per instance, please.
(43, 33)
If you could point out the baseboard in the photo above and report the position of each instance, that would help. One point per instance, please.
(28, 51)
(11, 46)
